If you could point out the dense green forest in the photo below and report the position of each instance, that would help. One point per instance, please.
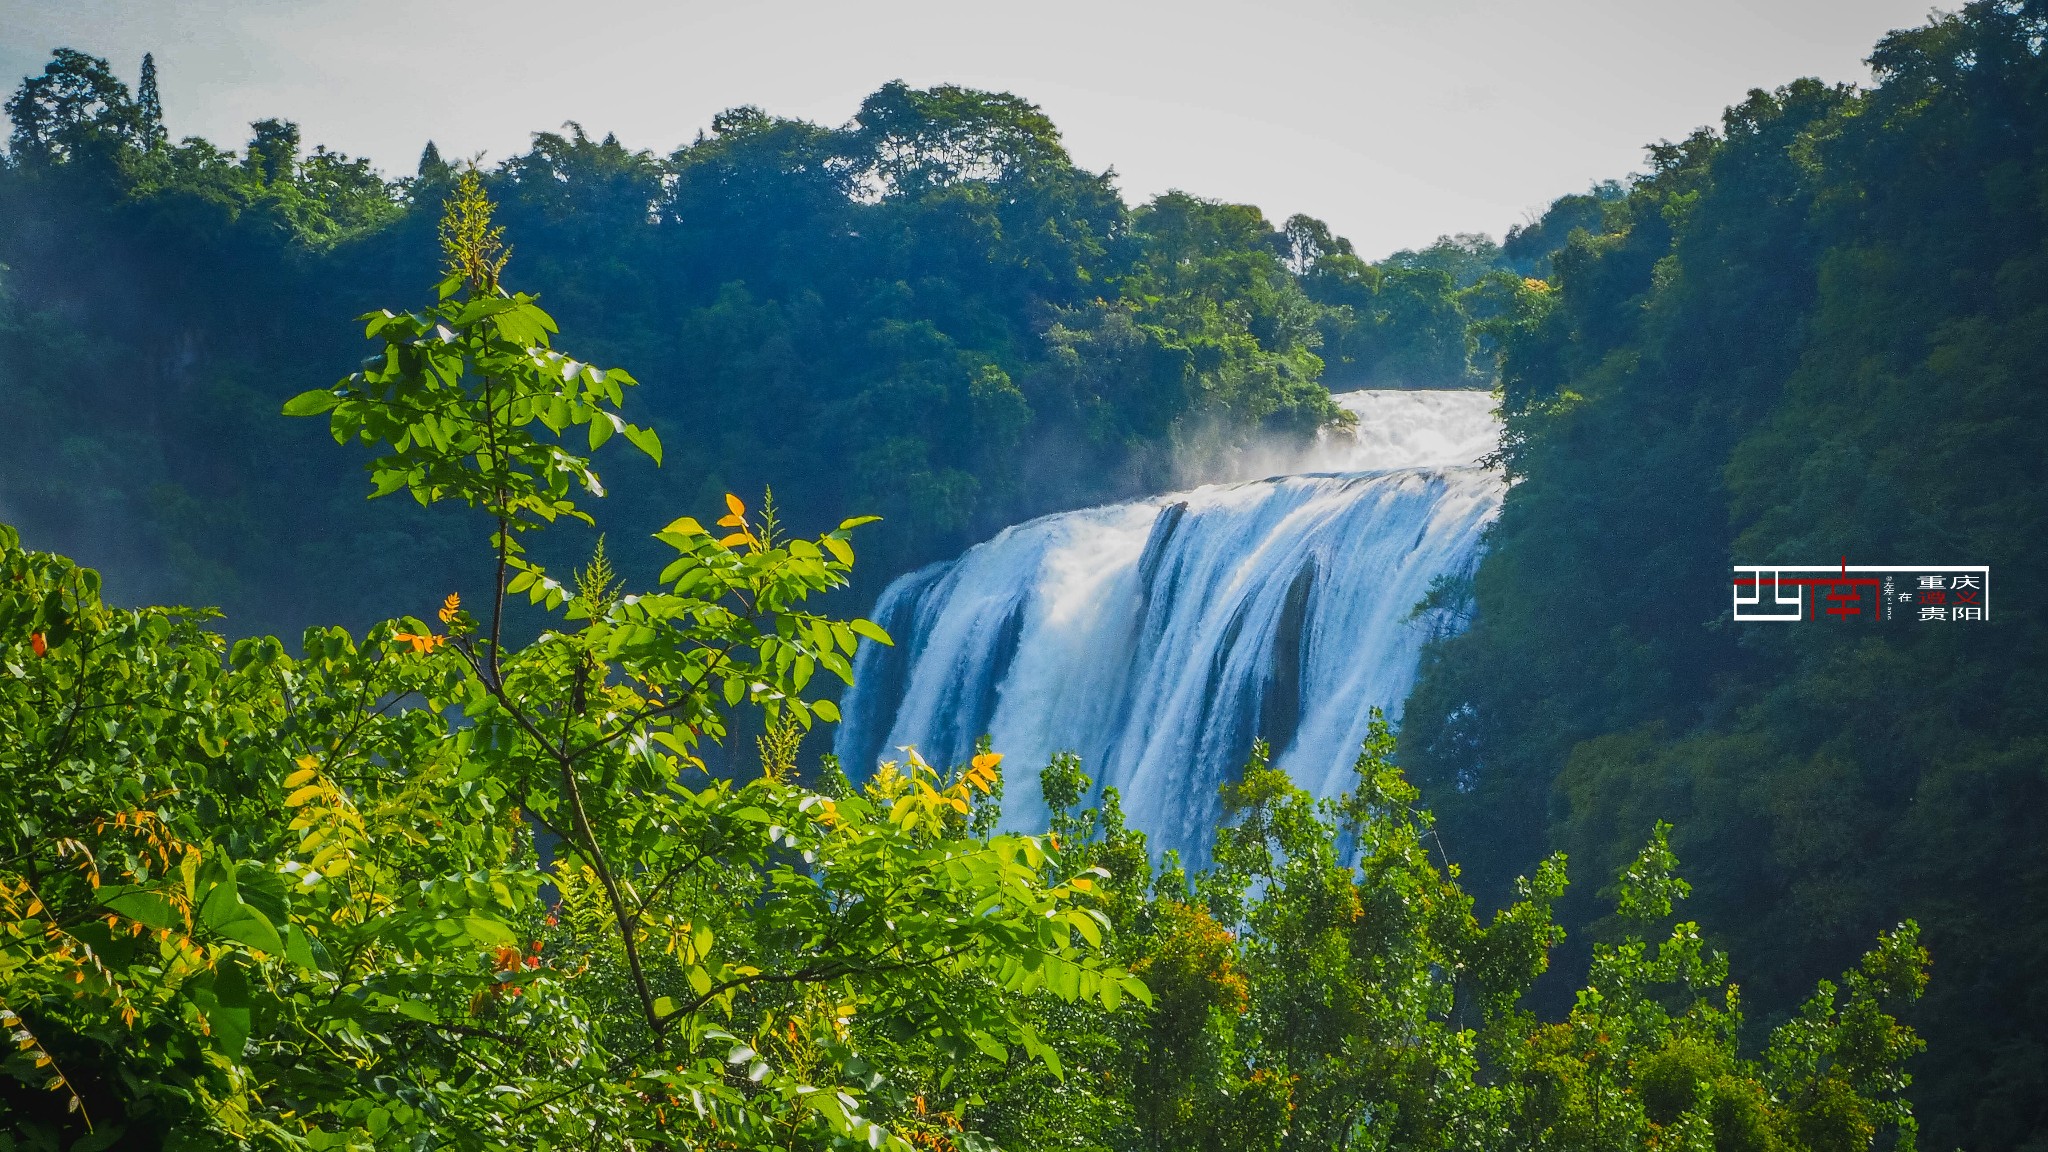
(1815, 331)
(928, 313)
(421, 888)
(1819, 331)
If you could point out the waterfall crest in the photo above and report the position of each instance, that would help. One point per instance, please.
(1159, 638)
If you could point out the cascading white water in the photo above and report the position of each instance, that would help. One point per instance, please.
(1159, 638)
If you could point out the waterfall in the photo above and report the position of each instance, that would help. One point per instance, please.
(1161, 637)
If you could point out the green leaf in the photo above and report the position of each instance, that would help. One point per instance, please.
(298, 948)
(1084, 921)
(144, 906)
(988, 1044)
(224, 912)
(230, 1017)
(311, 403)
(871, 630)
(1043, 1051)
(827, 710)
(253, 929)
(488, 932)
(525, 324)
(645, 440)
(1137, 988)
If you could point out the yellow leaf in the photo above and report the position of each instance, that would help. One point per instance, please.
(736, 538)
(981, 775)
(449, 607)
(303, 795)
(733, 502)
(302, 777)
(687, 525)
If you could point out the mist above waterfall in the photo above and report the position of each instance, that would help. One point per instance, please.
(1394, 428)
(1160, 638)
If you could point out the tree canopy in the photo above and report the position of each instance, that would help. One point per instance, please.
(928, 313)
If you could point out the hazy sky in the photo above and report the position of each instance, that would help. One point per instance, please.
(1394, 121)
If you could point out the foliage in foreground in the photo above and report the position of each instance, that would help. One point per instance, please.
(1327, 985)
(416, 888)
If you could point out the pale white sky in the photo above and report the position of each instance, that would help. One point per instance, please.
(1394, 120)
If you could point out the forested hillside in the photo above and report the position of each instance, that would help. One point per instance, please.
(1820, 331)
(928, 313)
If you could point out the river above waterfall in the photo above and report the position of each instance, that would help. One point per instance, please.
(1159, 638)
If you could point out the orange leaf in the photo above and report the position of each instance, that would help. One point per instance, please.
(733, 502)
(736, 538)
(449, 607)
(37, 642)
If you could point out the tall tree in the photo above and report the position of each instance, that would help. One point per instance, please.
(149, 105)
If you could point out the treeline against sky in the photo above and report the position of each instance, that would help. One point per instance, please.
(928, 313)
(1819, 331)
